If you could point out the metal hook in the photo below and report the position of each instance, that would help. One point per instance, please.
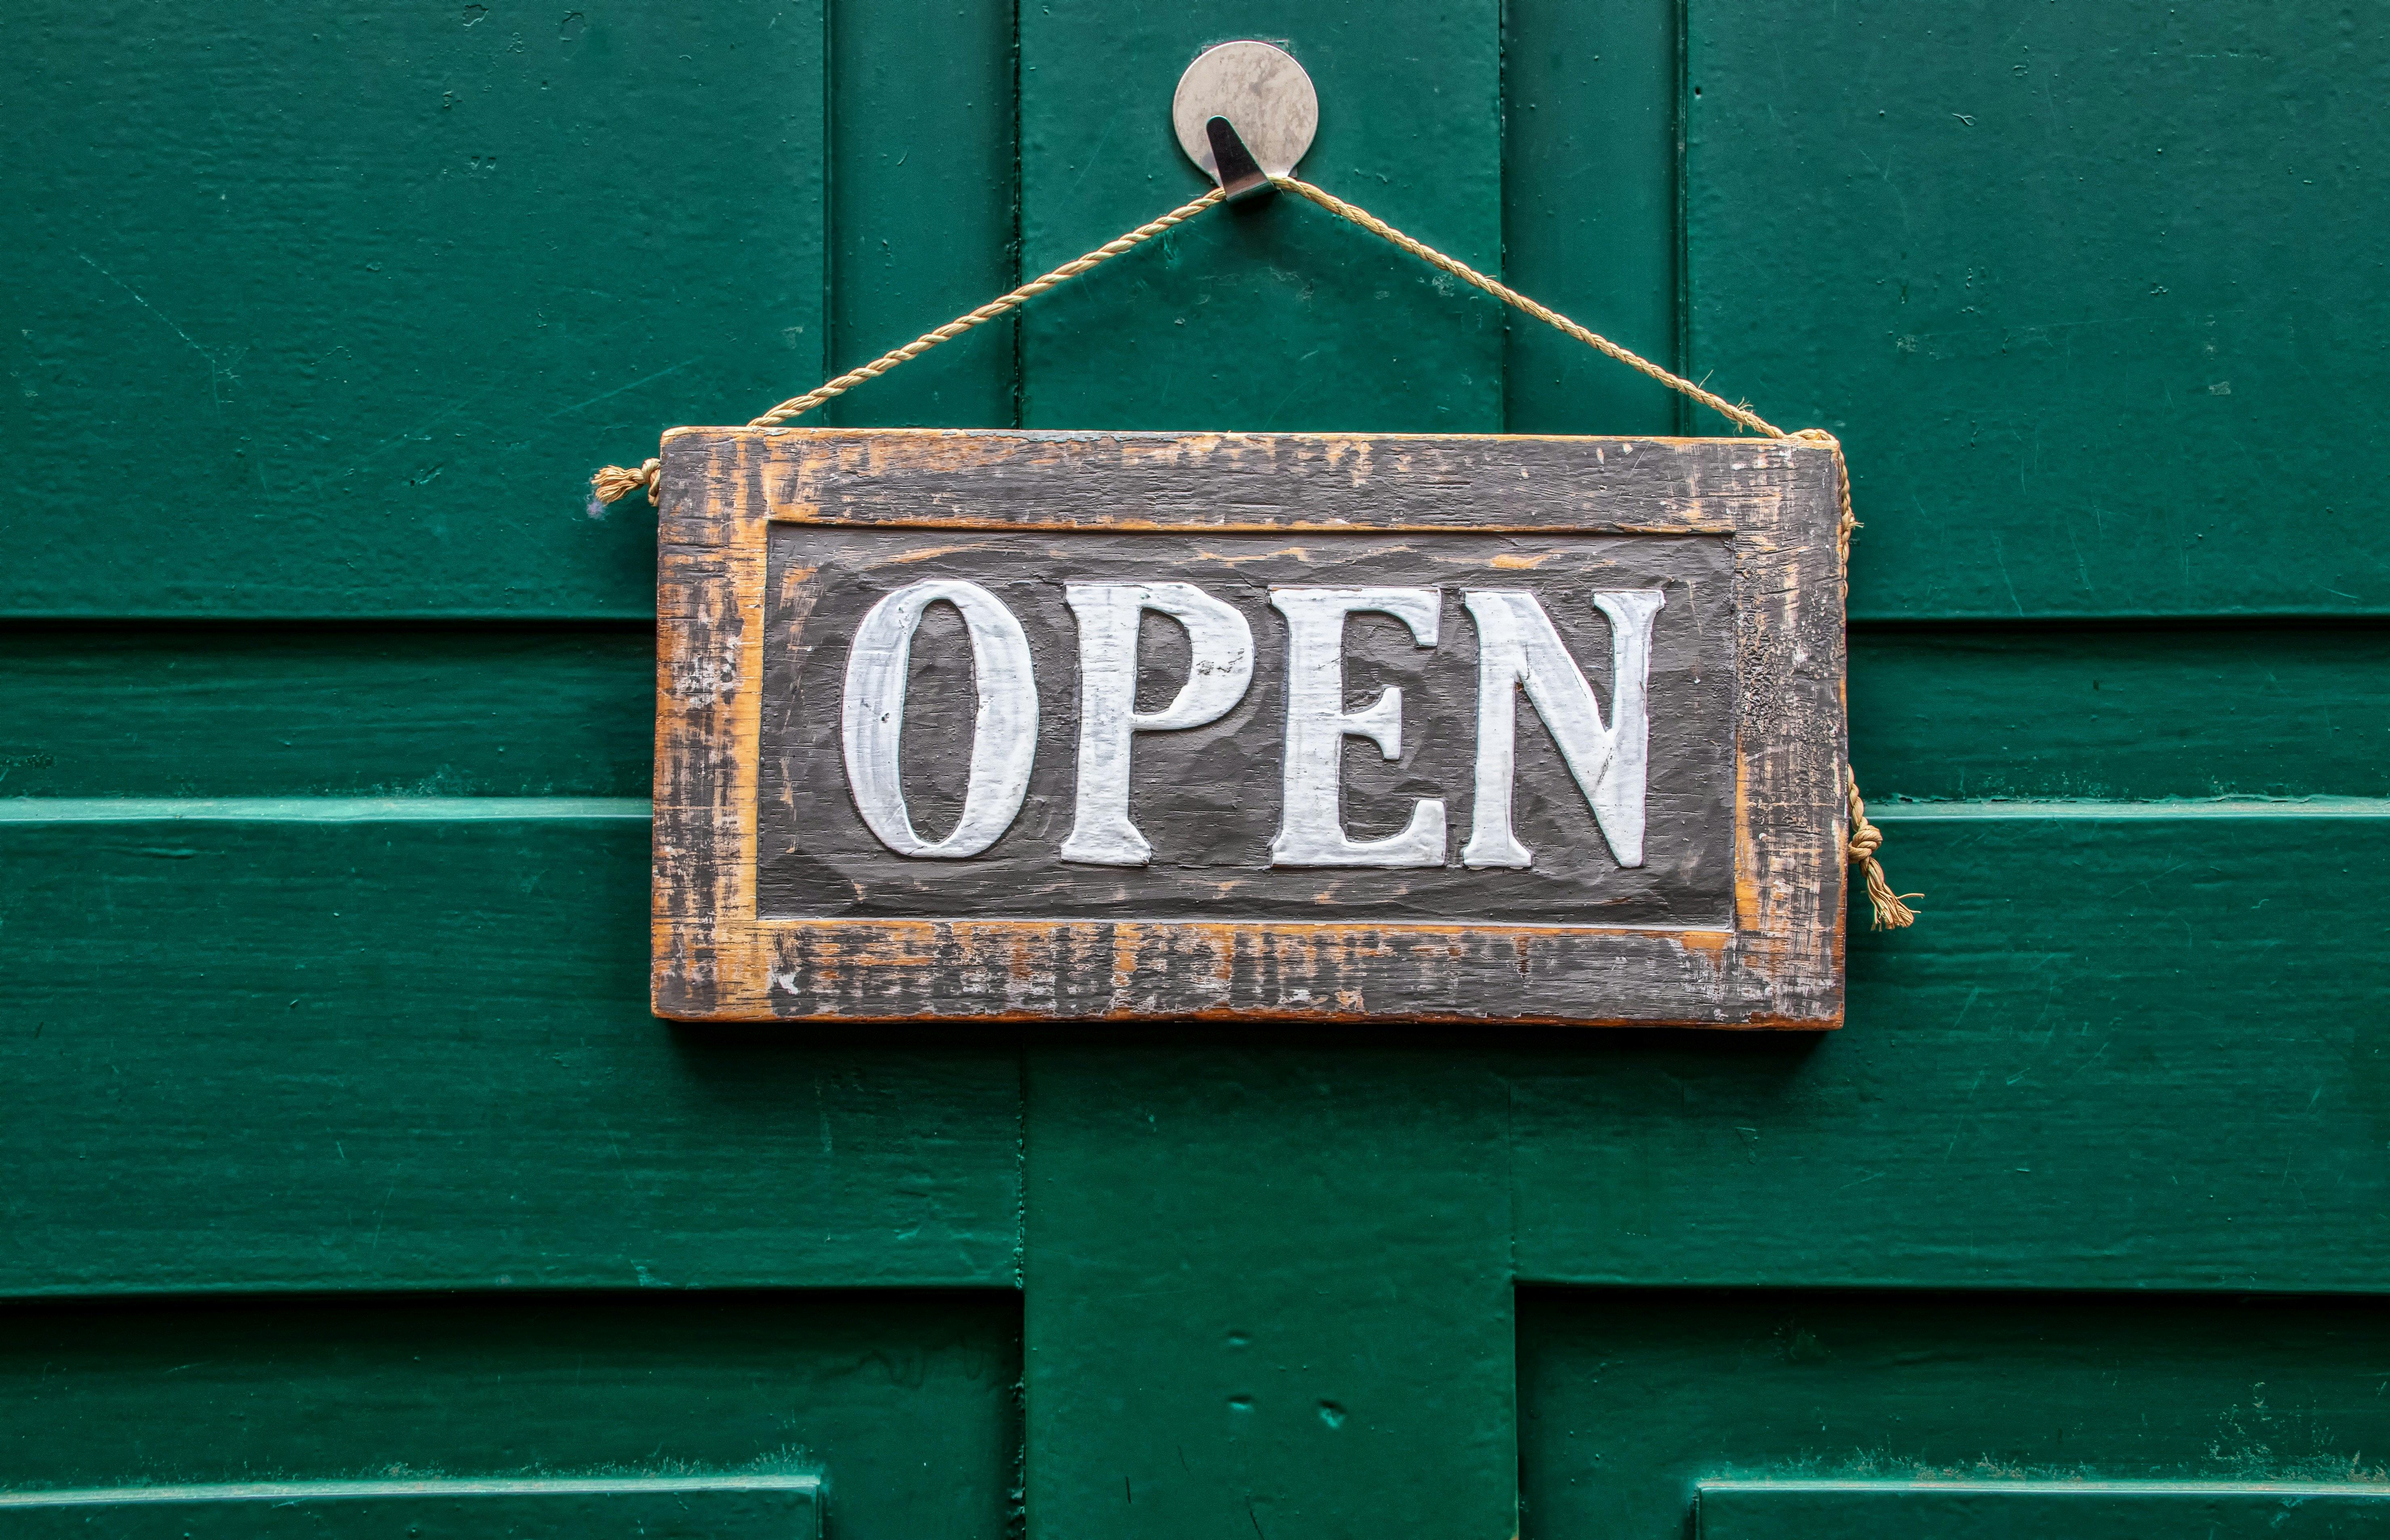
(1239, 175)
(1245, 112)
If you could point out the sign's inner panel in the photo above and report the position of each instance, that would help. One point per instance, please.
(879, 799)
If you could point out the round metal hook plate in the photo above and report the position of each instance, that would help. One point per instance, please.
(1264, 95)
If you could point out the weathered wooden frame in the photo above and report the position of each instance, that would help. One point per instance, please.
(1779, 965)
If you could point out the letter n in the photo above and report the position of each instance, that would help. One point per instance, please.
(1518, 648)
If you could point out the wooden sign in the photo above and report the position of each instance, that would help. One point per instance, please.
(1054, 725)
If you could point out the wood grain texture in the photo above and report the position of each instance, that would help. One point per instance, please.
(1228, 482)
(923, 217)
(718, 958)
(326, 312)
(381, 1136)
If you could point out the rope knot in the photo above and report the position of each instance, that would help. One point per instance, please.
(1861, 844)
(613, 483)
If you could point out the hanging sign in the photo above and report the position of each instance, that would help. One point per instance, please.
(1339, 727)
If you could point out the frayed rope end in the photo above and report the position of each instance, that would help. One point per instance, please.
(613, 483)
(1891, 913)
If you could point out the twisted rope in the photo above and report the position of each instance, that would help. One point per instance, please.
(1891, 914)
(613, 483)
(1886, 910)
(1860, 843)
(1742, 417)
(799, 405)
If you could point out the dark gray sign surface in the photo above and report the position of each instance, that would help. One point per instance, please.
(1208, 799)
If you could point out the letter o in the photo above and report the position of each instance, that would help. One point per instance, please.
(1004, 735)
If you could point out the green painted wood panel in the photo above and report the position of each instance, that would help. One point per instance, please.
(1265, 1288)
(231, 709)
(2128, 713)
(1630, 1398)
(2117, 1051)
(2075, 285)
(714, 1507)
(923, 178)
(329, 311)
(1590, 157)
(407, 1045)
(2080, 1510)
(393, 1057)
(1275, 315)
(902, 1403)
(2091, 292)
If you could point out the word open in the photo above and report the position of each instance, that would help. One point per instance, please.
(1519, 653)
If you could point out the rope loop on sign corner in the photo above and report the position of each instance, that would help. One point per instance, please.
(1891, 913)
(613, 483)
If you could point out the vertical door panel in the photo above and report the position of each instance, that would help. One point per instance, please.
(922, 183)
(1589, 227)
(1266, 1279)
(1271, 316)
(1267, 1290)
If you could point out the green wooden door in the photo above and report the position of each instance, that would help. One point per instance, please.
(341, 1144)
